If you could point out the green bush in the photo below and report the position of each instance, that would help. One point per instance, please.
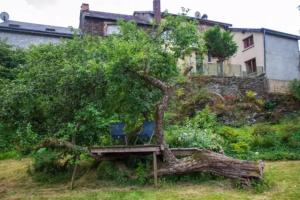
(196, 132)
(7, 138)
(26, 139)
(9, 155)
(189, 136)
(240, 147)
(107, 170)
(204, 119)
(263, 130)
(295, 88)
(270, 105)
(50, 162)
(229, 133)
(141, 172)
(267, 141)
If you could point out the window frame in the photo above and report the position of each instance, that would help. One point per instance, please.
(248, 42)
(251, 66)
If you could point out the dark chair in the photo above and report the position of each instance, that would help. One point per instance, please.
(146, 133)
(117, 132)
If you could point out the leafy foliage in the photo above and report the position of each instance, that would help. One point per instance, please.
(295, 88)
(220, 43)
(107, 170)
(10, 59)
(196, 132)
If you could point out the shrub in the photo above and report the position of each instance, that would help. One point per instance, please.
(229, 133)
(26, 139)
(270, 105)
(141, 173)
(6, 138)
(50, 162)
(204, 119)
(9, 155)
(295, 88)
(266, 141)
(189, 136)
(263, 130)
(240, 147)
(294, 140)
(251, 95)
(107, 170)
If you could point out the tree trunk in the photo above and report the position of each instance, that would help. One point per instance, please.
(221, 67)
(159, 116)
(218, 164)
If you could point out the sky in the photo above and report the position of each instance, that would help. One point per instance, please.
(280, 15)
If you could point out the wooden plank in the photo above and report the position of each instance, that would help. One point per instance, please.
(102, 151)
(133, 149)
(155, 168)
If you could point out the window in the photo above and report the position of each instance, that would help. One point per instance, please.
(112, 29)
(251, 66)
(248, 42)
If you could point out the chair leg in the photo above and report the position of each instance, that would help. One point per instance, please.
(149, 142)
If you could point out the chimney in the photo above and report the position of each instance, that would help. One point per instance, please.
(157, 11)
(85, 7)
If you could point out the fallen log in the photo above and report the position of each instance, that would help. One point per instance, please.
(218, 164)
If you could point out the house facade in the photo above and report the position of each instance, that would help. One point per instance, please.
(23, 34)
(103, 24)
(264, 51)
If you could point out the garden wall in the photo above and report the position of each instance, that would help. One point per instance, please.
(233, 86)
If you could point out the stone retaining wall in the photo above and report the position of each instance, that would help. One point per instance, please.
(233, 86)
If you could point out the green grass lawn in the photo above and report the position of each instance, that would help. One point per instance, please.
(15, 183)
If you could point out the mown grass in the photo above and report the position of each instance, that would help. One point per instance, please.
(15, 183)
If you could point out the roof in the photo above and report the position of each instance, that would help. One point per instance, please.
(267, 31)
(114, 17)
(138, 20)
(38, 29)
(205, 21)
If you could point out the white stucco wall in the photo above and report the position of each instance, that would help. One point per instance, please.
(282, 58)
(256, 51)
(26, 40)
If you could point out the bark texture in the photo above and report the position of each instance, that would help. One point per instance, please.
(161, 107)
(219, 164)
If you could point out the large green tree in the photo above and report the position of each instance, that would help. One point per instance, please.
(220, 45)
(68, 90)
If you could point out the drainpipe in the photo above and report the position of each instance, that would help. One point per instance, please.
(265, 57)
(267, 86)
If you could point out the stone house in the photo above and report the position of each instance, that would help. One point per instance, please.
(260, 51)
(23, 34)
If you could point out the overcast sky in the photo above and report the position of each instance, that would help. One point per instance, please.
(281, 15)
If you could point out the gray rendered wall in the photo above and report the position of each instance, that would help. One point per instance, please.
(282, 58)
(26, 40)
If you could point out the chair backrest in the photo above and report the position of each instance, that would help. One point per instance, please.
(117, 129)
(148, 128)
